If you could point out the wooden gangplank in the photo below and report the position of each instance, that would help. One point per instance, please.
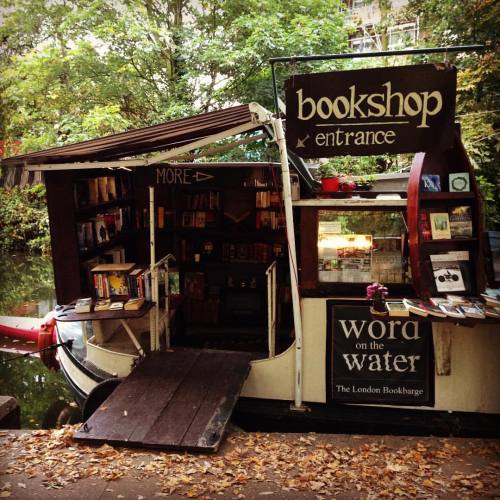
(178, 400)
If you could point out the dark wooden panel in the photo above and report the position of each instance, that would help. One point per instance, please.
(175, 419)
(63, 237)
(309, 247)
(165, 383)
(205, 431)
(176, 400)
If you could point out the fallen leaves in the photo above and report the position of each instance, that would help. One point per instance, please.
(280, 463)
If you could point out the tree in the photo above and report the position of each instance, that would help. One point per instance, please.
(74, 70)
(444, 23)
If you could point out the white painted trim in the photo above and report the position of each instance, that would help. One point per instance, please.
(171, 153)
(292, 257)
(85, 165)
(350, 202)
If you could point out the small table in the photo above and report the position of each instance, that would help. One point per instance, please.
(67, 313)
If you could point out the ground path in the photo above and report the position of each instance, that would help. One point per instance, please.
(49, 464)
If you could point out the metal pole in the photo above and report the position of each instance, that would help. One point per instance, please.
(382, 53)
(359, 55)
(153, 317)
(292, 256)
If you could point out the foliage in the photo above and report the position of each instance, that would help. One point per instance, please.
(444, 23)
(75, 70)
(25, 280)
(24, 222)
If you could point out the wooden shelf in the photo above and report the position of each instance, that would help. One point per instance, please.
(450, 240)
(447, 196)
(98, 250)
(93, 209)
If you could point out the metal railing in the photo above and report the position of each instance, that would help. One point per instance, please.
(271, 308)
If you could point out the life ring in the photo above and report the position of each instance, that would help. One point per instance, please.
(46, 338)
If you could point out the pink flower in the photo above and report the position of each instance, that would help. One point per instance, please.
(376, 291)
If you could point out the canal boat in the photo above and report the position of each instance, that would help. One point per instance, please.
(254, 258)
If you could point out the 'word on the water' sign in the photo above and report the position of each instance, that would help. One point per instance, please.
(177, 175)
(381, 110)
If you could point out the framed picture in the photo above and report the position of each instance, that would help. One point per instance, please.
(459, 182)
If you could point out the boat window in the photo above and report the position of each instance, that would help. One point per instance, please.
(362, 246)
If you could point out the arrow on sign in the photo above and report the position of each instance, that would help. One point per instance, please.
(301, 142)
(200, 177)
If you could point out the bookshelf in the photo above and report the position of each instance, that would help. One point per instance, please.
(92, 213)
(465, 232)
(214, 228)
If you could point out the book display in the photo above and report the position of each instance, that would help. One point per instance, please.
(224, 227)
(446, 251)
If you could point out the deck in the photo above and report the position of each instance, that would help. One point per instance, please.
(179, 400)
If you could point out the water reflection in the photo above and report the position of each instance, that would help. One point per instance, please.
(34, 386)
(27, 289)
(26, 285)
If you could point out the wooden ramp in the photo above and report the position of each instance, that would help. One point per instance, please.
(173, 400)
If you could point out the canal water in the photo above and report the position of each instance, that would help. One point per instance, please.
(27, 289)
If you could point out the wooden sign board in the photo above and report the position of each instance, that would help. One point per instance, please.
(371, 111)
(386, 361)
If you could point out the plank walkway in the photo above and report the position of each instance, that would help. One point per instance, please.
(178, 400)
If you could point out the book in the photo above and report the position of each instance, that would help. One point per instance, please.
(194, 285)
(101, 231)
(134, 304)
(472, 311)
(431, 183)
(461, 222)
(118, 283)
(397, 308)
(433, 310)
(440, 226)
(116, 306)
(102, 305)
(424, 225)
(448, 277)
(83, 305)
(492, 312)
(456, 300)
(447, 271)
(437, 301)
(415, 306)
(452, 311)
(459, 182)
(491, 297)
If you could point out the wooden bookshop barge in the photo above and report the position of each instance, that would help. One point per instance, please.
(246, 280)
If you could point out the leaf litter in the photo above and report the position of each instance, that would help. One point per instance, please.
(371, 469)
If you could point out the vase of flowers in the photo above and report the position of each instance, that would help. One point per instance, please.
(376, 293)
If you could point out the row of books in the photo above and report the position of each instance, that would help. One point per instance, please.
(96, 190)
(269, 219)
(457, 182)
(453, 306)
(266, 199)
(86, 305)
(457, 223)
(250, 252)
(199, 219)
(209, 200)
(103, 227)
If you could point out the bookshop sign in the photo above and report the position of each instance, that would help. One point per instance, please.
(380, 110)
(385, 361)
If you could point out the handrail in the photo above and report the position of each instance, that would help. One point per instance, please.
(271, 308)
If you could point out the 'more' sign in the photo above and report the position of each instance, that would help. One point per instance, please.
(382, 110)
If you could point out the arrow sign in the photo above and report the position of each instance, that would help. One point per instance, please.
(201, 176)
(301, 142)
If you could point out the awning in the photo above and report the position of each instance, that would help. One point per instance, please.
(139, 141)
